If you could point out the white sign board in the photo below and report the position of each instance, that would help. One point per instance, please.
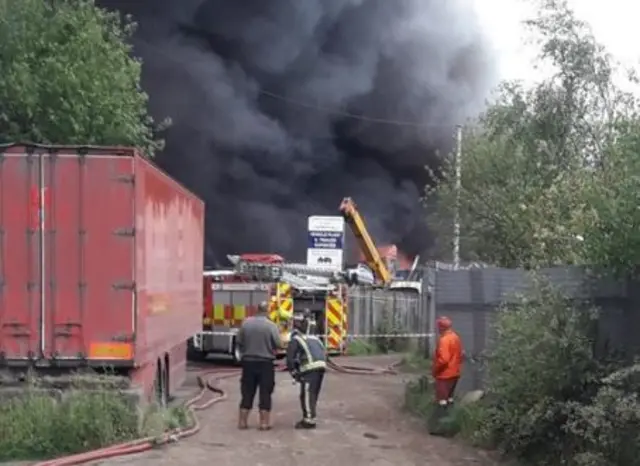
(326, 241)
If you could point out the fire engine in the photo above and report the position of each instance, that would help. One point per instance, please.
(230, 296)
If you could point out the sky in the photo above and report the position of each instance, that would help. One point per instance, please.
(614, 23)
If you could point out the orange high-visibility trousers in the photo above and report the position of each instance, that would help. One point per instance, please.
(445, 389)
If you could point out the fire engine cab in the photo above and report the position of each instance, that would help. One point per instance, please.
(232, 295)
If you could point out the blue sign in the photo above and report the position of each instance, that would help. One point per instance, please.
(325, 239)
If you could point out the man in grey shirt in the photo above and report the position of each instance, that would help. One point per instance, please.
(258, 340)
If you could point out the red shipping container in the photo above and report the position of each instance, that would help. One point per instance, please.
(101, 259)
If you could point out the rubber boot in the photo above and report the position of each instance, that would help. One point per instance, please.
(438, 414)
(304, 424)
(265, 420)
(243, 419)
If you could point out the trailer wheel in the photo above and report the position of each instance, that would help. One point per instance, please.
(162, 396)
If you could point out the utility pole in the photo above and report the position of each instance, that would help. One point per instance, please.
(456, 221)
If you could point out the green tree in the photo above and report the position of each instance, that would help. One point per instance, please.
(533, 161)
(612, 236)
(68, 76)
(552, 175)
(515, 209)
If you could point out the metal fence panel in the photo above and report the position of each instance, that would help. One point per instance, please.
(376, 313)
(471, 297)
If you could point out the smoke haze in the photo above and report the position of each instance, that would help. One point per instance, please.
(281, 108)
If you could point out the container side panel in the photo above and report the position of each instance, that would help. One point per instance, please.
(20, 273)
(90, 261)
(169, 265)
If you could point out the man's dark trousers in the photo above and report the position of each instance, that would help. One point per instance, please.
(257, 375)
(310, 386)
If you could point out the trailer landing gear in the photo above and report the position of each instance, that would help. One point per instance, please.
(161, 385)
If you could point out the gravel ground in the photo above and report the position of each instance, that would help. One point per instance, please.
(360, 423)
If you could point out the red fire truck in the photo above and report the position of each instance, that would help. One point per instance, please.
(230, 296)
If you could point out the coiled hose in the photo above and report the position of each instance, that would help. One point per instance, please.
(208, 382)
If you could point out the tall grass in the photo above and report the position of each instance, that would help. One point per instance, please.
(457, 420)
(37, 425)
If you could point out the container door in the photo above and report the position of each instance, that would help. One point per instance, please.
(89, 257)
(20, 251)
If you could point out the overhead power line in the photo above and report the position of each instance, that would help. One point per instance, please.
(353, 116)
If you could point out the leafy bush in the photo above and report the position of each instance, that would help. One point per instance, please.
(541, 368)
(549, 399)
(415, 361)
(37, 425)
(607, 430)
(418, 397)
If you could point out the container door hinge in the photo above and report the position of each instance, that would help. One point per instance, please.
(129, 286)
(128, 232)
(65, 329)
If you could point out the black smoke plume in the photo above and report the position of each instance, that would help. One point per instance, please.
(282, 107)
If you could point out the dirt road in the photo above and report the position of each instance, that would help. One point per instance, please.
(360, 423)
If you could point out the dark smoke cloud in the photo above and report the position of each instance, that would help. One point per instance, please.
(282, 107)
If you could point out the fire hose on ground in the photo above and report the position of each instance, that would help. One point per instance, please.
(391, 369)
(208, 382)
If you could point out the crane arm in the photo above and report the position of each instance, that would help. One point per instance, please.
(352, 216)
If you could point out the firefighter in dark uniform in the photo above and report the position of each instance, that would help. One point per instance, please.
(306, 362)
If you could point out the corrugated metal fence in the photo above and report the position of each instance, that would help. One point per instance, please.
(470, 298)
(399, 315)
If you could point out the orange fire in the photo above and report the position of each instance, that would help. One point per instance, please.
(390, 253)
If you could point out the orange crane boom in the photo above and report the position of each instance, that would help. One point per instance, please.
(374, 260)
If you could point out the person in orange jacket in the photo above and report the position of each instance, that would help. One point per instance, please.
(447, 362)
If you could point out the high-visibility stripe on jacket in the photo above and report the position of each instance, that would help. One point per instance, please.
(447, 362)
(305, 353)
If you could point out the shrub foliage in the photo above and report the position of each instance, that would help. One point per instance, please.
(540, 369)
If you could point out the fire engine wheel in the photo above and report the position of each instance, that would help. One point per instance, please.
(195, 354)
(161, 392)
(237, 356)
